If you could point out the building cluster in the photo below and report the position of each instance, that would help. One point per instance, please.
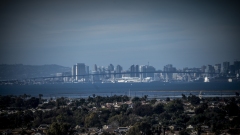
(147, 73)
(81, 73)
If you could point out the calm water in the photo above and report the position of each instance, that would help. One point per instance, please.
(153, 90)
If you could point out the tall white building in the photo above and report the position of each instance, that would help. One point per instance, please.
(143, 68)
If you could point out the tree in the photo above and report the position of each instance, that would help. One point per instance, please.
(174, 106)
(40, 98)
(19, 102)
(144, 98)
(194, 100)
(92, 120)
(61, 101)
(58, 129)
(143, 110)
(106, 133)
(135, 99)
(142, 128)
(32, 102)
(201, 108)
(232, 108)
(183, 132)
(153, 101)
(123, 107)
(159, 108)
(184, 97)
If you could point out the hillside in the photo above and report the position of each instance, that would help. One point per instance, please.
(19, 71)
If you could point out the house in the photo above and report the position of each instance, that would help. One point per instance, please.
(190, 127)
(38, 133)
(43, 127)
(93, 130)
(105, 127)
(175, 128)
(7, 132)
(122, 129)
(109, 128)
(77, 127)
(172, 127)
(204, 127)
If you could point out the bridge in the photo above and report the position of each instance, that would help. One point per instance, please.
(114, 74)
(104, 74)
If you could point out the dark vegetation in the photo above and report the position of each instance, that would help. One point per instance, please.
(143, 115)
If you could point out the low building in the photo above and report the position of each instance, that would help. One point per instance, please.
(122, 129)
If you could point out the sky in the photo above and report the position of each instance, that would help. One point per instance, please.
(182, 33)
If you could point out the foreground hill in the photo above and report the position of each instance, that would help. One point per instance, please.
(19, 71)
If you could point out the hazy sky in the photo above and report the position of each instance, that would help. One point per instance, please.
(185, 33)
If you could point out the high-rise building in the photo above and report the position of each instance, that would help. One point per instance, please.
(134, 69)
(111, 67)
(210, 69)
(143, 68)
(95, 76)
(203, 68)
(118, 70)
(137, 70)
(225, 67)
(80, 70)
(237, 66)
(95, 68)
(150, 69)
(87, 69)
(146, 68)
(87, 73)
(74, 72)
(169, 68)
(231, 69)
(217, 68)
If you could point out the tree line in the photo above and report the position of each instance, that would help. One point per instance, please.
(145, 116)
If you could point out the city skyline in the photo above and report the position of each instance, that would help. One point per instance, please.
(185, 34)
(222, 66)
